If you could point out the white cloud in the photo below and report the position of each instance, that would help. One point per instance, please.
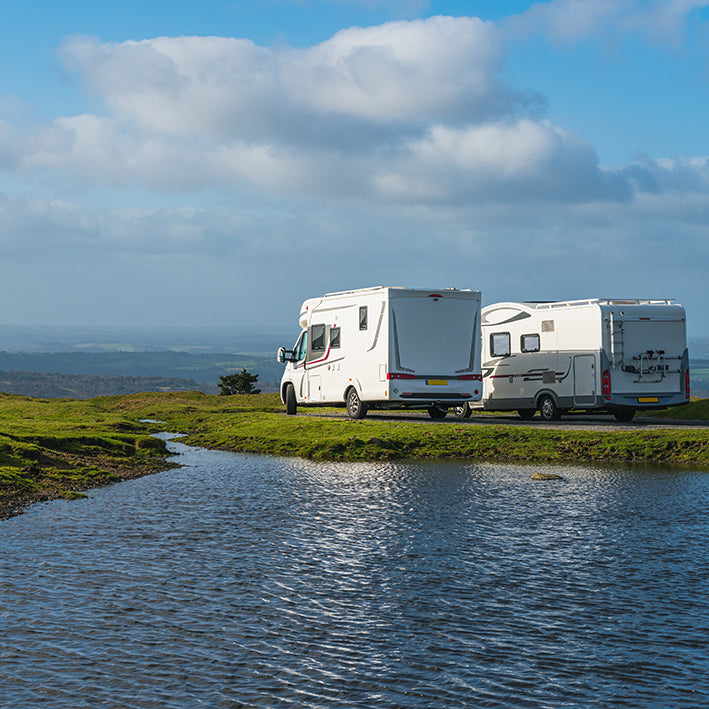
(442, 69)
(662, 21)
(506, 162)
(407, 111)
(391, 154)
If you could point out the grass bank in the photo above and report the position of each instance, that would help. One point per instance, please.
(59, 447)
(258, 424)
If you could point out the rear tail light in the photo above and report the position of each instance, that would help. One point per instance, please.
(396, 375)
(606, 384)
(686, 383)
(471, 377)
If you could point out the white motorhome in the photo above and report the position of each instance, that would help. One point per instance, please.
(385, 348)
(618, 356)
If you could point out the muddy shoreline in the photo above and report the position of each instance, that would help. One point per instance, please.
(51, 487)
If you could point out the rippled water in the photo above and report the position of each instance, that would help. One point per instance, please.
(246, 581)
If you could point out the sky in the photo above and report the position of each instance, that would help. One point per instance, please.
(216, 162)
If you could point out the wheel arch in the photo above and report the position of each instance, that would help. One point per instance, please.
(352, 384)
(284, 387)
(546, 392)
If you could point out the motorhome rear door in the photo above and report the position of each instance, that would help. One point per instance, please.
(435, 335)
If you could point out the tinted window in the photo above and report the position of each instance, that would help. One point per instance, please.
(334, 337)
(363, 317)
(529, 343)
(302, 347)
(500, 344)
(318, 335)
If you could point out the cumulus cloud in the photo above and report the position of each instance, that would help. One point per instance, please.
(411, 112)
(523, 160)
(407, 111)
(401, 72)
(662, 21)
(402, 140)
(686, 175)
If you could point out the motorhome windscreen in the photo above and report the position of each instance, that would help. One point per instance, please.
(433, 336)
(301, 347)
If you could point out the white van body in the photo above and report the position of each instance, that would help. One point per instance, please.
(616, 355)
(385, 348)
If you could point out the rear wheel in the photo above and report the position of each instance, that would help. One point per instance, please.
(436, 412)
(526, 414)
(356, 408)
(624, 415)
(291, 403)
(548, 408)
(463, 411)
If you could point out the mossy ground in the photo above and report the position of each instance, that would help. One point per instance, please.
(258, 424)
(52, 448)
(59, 447)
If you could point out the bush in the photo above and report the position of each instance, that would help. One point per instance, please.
(241, 383)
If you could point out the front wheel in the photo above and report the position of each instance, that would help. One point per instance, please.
(463, 411)
(624, 415)
(291, 403)
(548, 409)
(436, 412)
(356, 408)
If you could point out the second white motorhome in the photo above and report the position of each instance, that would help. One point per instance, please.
(619, 356)
(385, 348)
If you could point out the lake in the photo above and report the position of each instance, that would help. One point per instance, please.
(253, 581)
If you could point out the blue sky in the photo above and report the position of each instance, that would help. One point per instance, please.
(207, 162)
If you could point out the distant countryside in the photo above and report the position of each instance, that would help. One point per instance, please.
(105, 371)
(82, 375)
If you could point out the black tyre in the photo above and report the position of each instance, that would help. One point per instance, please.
(463, 411)
(356, 408)
(436, 412)
(548, 409)
(526, 414)
(291, 403)
(624, 415)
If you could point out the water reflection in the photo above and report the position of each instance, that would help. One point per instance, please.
(256, 581)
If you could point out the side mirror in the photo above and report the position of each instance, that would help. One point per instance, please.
(281, 355)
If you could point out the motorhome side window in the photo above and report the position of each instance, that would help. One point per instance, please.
(334, 337)
(363, 317)
(318, 338)
(529, 343)
(500, 344)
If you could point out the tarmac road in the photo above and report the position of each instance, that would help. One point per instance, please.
(580, 422)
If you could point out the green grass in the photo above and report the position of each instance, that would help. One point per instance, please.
(258, 424)
(53, 448)
(696, 410)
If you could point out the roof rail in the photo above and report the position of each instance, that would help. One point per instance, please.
(544, 305)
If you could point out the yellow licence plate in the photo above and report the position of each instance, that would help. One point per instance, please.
(437, 382)
(647, 400)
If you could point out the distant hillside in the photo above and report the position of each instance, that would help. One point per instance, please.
(156, 338)
(82, 375)
(204, 367)
(699, 377)
(78, 386)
